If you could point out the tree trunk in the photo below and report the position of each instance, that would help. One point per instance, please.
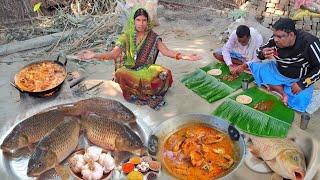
(37, 42)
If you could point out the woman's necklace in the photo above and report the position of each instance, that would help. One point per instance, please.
(137, 42)
(139, 38)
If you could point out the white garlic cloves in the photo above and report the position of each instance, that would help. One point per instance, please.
(77, 162)
(107, 161)
(92, 152)
(92, 171)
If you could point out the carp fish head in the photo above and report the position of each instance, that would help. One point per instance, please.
(40, 161)
(132, 143)
(292, 164)
(15, 140)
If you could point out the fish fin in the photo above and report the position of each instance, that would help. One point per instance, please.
(276, 177)
(255, 153)
(121, 156)
(253, 150)
(31, 147)
(271, 162)
(78, 147)
(132, 125)
(62, 171)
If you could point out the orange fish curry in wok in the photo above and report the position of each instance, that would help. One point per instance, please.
(40, 76)
(199, 152)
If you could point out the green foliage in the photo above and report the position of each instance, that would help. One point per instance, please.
(36, 7)
(273, 123)
(206, 86)
(235, 84)
(213, 88)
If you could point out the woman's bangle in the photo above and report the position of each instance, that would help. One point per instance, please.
(178, 56)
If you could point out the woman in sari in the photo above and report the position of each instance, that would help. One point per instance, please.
(142, 81)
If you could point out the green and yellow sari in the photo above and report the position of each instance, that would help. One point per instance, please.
(141, 80)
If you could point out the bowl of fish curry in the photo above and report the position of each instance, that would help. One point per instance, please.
(41, 77)
(197, 146)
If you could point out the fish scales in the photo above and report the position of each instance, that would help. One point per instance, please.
(103, 107)
(110, 134)
(271, 147)
(102, 133)
(32, 129)
(54, 147)
(282, 156)
(63, 139)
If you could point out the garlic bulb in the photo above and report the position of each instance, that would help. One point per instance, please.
(87, 158)
(93, 153)
(92, 171)
(77, 162)
(107, 161)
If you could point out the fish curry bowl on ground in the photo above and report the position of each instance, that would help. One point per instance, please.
(196, 146)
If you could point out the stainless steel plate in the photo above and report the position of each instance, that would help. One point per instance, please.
(14, 166)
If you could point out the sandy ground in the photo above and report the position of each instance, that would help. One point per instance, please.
(188, 32)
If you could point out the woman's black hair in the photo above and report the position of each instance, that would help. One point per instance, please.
(285, 24)
(140, 12)
(243, 31)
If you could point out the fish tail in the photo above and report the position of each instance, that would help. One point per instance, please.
(31, 147)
